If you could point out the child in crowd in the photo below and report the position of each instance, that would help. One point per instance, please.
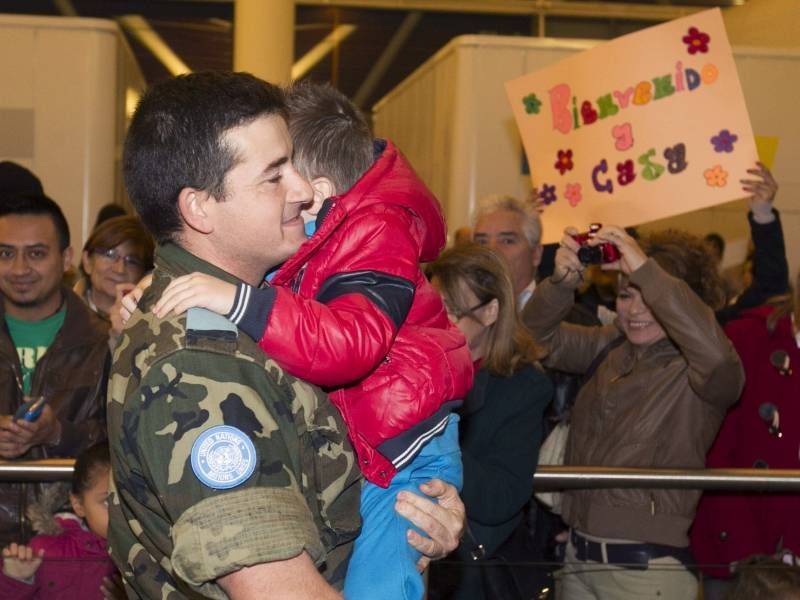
(69, 559)
(353, 312)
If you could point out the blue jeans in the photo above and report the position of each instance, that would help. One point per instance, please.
(383, 565)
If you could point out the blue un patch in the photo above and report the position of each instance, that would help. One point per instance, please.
(223, 457)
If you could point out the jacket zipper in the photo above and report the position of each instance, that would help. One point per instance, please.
(296, 281)
(652, 505)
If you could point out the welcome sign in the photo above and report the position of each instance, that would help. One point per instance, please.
(647, 126)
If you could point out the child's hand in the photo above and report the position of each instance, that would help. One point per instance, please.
(131, 299)
(20, 562)
(196, 289)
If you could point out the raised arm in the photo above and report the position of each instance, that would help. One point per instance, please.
(770, 269)
(571, 348)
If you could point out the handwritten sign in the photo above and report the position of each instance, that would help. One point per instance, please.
(647, 126)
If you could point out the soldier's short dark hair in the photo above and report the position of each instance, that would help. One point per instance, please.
(331, 136)
(36, 204)
(176, 140)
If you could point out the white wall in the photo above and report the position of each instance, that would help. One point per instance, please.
(452, 118)
(62, 108)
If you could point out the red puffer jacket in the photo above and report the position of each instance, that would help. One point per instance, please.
(378, 334)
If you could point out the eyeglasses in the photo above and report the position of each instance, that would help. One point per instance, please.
(112, 256)
(457, 315)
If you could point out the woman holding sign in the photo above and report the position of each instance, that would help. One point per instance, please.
(661, 378)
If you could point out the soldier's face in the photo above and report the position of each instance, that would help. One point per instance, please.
(259, 221)
(31, 265)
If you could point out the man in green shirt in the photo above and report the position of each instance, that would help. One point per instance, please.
(231, 478)
(51, 346)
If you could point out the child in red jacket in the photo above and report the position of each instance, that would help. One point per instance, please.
(353, 312)
(72, 560)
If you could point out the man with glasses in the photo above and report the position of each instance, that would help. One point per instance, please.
(52, 347)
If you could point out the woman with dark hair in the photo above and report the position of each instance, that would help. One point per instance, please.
(117, 254)
(660, 379)
(501, 426)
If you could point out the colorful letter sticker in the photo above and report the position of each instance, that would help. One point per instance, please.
(625, 172)
(723, 141)
(652, 170)
(716, 176)
(564, 161)
(573, 194)
(532, 104)
(623, 136)
(696, 41)
(676, 158)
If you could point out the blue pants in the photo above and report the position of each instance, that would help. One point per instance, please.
(383, 565)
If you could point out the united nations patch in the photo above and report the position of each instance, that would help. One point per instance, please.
(223, 457)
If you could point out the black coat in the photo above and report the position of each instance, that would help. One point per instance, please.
(501, 431)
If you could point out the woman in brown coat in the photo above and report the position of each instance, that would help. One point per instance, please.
(663, 376)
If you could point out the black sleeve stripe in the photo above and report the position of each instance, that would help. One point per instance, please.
(392, 295)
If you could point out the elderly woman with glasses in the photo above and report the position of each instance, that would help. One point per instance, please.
(115, 257)
(502, 418)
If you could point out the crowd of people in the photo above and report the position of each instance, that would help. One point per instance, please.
(277, 384)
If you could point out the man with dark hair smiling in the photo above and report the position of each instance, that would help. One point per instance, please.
(231, 477)
(51, 346)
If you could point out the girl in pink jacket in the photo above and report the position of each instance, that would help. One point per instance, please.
(69, 559)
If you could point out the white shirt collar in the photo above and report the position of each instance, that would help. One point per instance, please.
(525, 295)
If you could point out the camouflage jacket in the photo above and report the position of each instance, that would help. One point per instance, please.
(220, 460)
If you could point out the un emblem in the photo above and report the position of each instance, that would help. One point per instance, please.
(223, 457)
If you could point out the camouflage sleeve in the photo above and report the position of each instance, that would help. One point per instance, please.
(211, 433)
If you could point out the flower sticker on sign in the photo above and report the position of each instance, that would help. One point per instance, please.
(723, 141)
(548, 194)
(532, 104)
(715, 176)
(647, 114)
(696, 41)
(564, 161)
(573, 194)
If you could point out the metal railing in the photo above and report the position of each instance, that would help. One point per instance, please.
(546, 477)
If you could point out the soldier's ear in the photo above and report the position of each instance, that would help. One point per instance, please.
(194, 207)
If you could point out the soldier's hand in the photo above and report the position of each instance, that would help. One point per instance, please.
(442, 519)
(196, 289)
(21, 562)
(112, 588)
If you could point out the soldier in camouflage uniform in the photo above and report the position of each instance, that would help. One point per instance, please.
(230, 478)
(177, 378)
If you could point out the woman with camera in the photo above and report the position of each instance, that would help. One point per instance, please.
(659, 381)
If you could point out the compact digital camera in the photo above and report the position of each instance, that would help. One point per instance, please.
(595, 255)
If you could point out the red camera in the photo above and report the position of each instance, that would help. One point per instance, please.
(595, 255)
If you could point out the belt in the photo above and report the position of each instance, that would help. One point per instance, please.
(631, 556)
